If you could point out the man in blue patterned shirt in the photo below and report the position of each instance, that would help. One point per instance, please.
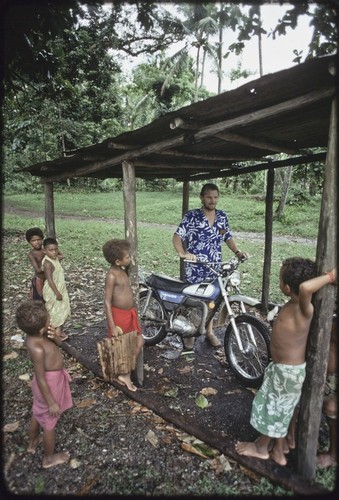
(199, 237)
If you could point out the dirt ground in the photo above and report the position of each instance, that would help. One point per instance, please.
(123, 443)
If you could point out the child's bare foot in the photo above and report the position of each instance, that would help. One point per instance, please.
(290, 442)
(126, 380)
(251, 450)
(278, 456)
(56, 459)
(286, 448)
(32, 445)
(325, 460)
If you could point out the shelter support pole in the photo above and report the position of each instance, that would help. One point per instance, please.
(320, 331)
(184, 208)
(49, 210)
(268, 239)
(130, 217)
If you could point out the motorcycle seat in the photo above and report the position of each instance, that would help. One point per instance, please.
(165, 283)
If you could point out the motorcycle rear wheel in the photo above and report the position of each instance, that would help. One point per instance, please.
(248, 366)
(152, 332)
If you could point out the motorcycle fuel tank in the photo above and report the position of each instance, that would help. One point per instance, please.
(203, 290)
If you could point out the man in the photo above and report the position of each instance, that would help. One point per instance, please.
(199, 237)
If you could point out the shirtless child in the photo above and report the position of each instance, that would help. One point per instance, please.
(119, 304)
(50, 383)
(35, 236)
(275, 402)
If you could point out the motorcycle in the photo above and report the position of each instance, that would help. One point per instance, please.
(169, 306)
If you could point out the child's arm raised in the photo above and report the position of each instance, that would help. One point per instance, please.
(309, 287)
(48, 269)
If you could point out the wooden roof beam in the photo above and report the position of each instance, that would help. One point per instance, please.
(259, 166)
(253, 117)
(175, 152)
(258, 143)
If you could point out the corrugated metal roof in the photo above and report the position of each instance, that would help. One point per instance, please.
(283, 112)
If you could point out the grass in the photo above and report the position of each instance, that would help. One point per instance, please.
(246, 213)
(82, 242)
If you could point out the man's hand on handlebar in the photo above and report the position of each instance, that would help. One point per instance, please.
(190, 257)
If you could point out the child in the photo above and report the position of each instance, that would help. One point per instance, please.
(50, 383)
(35, 236)
(330, 400)
(279, 394)
(119, 304)
(54, 291)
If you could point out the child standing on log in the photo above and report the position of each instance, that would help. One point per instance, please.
(50, 383)
(35, 237)
(54, 291)
(275, 402)
(119, 304)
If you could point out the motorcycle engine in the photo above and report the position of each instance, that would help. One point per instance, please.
(186, 321)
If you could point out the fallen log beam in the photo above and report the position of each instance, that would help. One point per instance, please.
(283, 476)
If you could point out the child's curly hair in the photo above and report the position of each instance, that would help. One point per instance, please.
(34, 231)
(295, 270)
(115, 249)
(31, 317)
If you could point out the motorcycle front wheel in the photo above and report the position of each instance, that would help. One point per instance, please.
(248, 364)
(151, 320)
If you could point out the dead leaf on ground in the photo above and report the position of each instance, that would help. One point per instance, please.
(192, 449)
(11, 427)
(85, 403)
(171, 393)
(25, 376)
(208, 391)
(111, 393)
(152, 438)
(186, 369)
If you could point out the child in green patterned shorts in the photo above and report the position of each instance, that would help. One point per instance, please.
(274, 404)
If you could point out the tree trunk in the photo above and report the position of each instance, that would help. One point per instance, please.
(286, 179)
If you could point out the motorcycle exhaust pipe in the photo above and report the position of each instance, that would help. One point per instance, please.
(189, 301)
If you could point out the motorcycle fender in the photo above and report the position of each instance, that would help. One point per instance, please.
(249, 301)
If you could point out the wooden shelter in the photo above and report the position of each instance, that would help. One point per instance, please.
(292, 111)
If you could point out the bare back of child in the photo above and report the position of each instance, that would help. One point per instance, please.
(284, 376)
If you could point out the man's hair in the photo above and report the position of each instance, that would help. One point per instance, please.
(115, 249)
(209, 187)
(296, 270)
(31, 317)
(49, 241)
(34, 231)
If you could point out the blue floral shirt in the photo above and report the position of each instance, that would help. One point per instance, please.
(203, 241)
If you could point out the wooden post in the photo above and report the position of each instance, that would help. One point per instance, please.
(130, 216)
(320, 331)
(184, 208)
(49, 210)
(268, 240)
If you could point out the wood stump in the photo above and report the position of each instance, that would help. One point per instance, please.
(117, 355)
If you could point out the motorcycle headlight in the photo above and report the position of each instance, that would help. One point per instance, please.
(235, 278)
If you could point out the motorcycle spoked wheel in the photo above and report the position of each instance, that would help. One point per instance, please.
(151, 332)
(248, 366)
